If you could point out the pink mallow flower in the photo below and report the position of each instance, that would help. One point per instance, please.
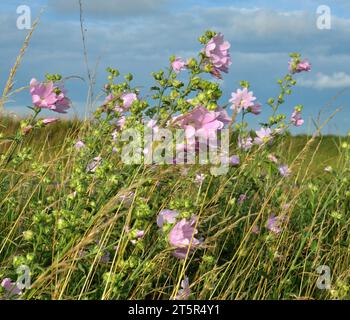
(185, 291)
(284, 170)
(49, 96)
(128, 99)
(166, 216)
(217, 50)
(48, 121)
(302, 66)
(182, 235)
(242, 99)
(256, 108)
(178, 65)
(296, 118)
(11, 288)
(234, 160)
(204, 123)
(274, 224)
(79, 145)
(245, 143)
(200, 178)
(263, 136)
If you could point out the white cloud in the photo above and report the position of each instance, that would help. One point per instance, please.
(323, 81)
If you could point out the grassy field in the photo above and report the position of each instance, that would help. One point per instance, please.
(65, 224)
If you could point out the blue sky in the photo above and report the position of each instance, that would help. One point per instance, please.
(138, 36)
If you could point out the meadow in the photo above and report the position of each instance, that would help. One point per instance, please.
(79, 222)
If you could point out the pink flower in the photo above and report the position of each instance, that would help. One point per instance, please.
(178, 64)
(166, 216)
(181, 237)
(48, 96)
(272, 158)
(274, 223)
(245, 143)
(296, 118)
(303, 65)
(284, 170)
(200, 178)
(108, 98)
(11, 288)
(234, 160)
(242, 99)
(152, 124)
(48, 121)
(121, 122)
(43, 95)
(217, 52)
(263, 135)
(256, 108)
(204, 123)
(185, 291)
(128, 99)
(79, 145)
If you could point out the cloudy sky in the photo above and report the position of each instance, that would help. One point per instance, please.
(138, 36)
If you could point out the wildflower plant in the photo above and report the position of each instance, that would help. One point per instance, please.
(131, 208)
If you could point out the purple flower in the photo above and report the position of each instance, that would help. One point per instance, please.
(284, 170)
(296, 118)
(243, 99)
(274, 223)
(11, 288)
(245, 143)
(181, 236)
(79, 145)
(217, 52)
(263, 136)
(166, 216)
(185, 291)
(178, 64)
(234, 160)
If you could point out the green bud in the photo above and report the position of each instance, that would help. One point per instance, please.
(28, 235)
